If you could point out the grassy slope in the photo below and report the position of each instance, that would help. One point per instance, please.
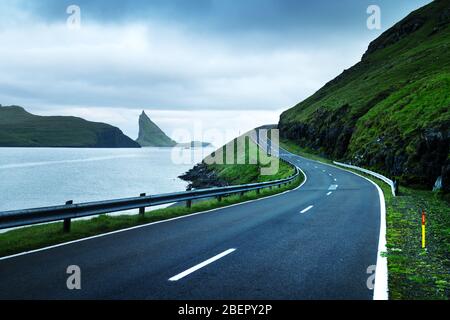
(35, 237)
(385, 103)
(414, 273)
(248, 173)
(19, 128)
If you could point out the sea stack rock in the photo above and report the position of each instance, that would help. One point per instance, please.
(150, 135)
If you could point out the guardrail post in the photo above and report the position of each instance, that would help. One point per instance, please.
(142, 210)
(396, 187)
(189, 204)
(219, 198)
(67, 222)
(258, 191)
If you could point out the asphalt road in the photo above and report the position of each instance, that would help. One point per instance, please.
(315, 242)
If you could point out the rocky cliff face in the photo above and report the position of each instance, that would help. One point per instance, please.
(150, 135)
(389, 112)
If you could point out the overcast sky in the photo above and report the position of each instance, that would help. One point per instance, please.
(222, 64)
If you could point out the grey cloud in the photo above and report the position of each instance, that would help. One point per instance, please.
(229, 16)
(189, 54)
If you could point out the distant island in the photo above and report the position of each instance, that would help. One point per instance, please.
(195, 144)
(150, 135)
(19, 128)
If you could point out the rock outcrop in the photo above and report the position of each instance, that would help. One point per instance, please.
(202, 177)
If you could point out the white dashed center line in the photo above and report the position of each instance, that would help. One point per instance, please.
(201, 265)
(333, 187)
(329, 193)
(307, 209)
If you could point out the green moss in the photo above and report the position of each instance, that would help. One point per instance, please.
(407, 112)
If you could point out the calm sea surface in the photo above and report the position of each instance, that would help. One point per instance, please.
(31, 178)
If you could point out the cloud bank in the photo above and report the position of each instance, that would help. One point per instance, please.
(193, 59)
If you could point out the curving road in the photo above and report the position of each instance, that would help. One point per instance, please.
(315, 242)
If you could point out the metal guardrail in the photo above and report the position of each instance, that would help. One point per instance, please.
(19, 218)
(392, 184)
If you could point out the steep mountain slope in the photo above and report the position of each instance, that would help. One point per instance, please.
(390, 111)
(150, 135)
(19, 128)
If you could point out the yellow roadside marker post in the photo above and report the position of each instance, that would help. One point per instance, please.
(423, 229)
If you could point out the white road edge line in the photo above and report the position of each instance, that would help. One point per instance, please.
(201, 265)
(381, 288)
(151, 223)
(306, 209)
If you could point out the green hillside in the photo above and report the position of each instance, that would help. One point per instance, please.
(150, 135)
(389, 112)
(19, 128)
(246, 166)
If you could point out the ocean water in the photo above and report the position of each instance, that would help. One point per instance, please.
(35, 177)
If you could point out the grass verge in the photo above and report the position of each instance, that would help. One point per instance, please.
(414, 273)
